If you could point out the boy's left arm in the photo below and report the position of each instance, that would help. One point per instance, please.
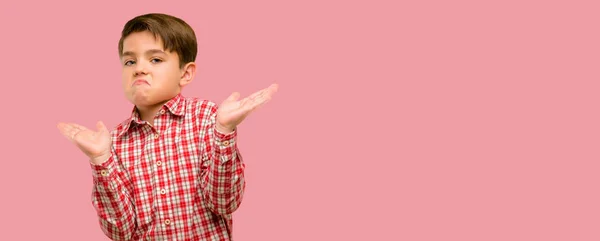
(223, 182)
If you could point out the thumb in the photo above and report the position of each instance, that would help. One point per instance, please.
(101, 127)
(233, 97)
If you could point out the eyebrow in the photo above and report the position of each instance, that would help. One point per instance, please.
(149, 52)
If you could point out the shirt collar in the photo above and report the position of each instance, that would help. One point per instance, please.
(175, 106)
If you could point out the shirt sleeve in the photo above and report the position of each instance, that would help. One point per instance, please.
(223, 182)
(111, 199)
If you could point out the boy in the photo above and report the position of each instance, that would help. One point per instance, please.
(172, 171)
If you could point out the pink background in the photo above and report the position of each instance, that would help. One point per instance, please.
(437, 120)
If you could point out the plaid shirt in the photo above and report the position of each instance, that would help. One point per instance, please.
(177, 180)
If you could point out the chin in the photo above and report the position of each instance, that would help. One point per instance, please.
(140, 99)
(147, 98)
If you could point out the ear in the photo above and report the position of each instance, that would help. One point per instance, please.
(187, 74)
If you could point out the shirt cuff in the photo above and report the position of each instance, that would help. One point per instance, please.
(225, 139)
(103, 171)
(225, 144)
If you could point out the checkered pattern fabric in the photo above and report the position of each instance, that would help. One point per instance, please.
(179, 179)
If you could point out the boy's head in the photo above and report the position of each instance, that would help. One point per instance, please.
(157, 53)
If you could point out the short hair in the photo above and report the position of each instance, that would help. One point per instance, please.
(175, 33)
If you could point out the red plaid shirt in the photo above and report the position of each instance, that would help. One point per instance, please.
(177, 180)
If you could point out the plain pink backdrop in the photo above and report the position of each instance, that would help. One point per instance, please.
(395, 120)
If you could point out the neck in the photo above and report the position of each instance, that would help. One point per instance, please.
(147, 113)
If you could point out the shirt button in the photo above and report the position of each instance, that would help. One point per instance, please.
(163, 191)
(103, 173)
(226, 143)
(167, 222)
(158, 163)
(156, 136)
(162, 111)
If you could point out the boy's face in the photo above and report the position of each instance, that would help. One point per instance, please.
(151, 75)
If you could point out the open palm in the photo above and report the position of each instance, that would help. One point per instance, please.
(94, 144)
(233, 111)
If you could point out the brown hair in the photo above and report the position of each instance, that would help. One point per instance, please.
(175, 33)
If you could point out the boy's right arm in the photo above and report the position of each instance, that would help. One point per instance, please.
(110, 197)
(112, 200)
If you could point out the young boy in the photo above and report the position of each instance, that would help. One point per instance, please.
(172, 171)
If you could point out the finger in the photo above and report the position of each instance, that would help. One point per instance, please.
(252, 96)
(243, 101)
(248, 103)
(272, 90)
(80, 127)
(269, 90)
(72, 130)
(257, 102)
(262, 101)
(76, 130)
(260, 96)
(69, 131)
(74, 134)
(63, 128)
(256, 94)
(273, 87)
(265, 96)
(60, 126)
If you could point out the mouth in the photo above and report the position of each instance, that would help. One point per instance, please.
(140, 82)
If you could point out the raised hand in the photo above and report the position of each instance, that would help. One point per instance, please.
(233, 111)
(95, 144)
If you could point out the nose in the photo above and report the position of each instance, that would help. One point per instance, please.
(140, 69)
